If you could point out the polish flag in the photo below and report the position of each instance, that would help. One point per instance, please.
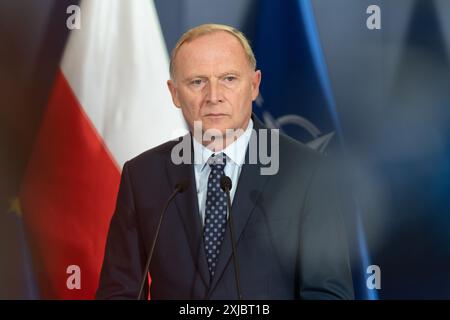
(109, 103)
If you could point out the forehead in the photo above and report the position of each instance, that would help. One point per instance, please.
(214, 50)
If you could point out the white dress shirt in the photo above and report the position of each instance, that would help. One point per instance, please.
(235, 153)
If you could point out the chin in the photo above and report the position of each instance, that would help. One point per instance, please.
(217, 124)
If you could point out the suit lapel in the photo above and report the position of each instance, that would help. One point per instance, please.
(187, 207)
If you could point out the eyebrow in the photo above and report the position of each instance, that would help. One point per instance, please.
(230, 72)
(190, 78)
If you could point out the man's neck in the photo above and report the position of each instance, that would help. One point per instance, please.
(220, 143)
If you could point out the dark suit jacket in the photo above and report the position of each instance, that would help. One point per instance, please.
(291, 241)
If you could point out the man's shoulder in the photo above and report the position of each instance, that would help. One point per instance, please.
(289, 147)
(156, 154)
(296, 150)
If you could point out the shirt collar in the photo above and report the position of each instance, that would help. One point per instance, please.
(235, 151)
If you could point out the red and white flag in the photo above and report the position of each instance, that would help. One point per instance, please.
(109, 103)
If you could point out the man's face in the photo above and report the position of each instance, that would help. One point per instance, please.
(214, 82)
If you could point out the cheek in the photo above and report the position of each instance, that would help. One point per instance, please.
(191, 104)
(242, 98)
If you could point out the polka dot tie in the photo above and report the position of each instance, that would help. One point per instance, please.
(215, 213)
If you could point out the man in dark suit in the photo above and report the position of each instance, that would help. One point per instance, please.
(289, 235)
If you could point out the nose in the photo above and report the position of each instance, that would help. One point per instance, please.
(214, 94)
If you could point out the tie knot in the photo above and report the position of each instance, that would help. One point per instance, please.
(217, 161)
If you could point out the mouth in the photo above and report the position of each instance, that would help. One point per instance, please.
(215, 115)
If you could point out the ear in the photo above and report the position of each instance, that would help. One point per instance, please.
(255, 84)
(173, 92)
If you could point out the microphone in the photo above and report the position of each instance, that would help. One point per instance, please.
(225, 185)
(180, 187)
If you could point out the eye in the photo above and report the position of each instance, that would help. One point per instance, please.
(230, 78)
(197, 82)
